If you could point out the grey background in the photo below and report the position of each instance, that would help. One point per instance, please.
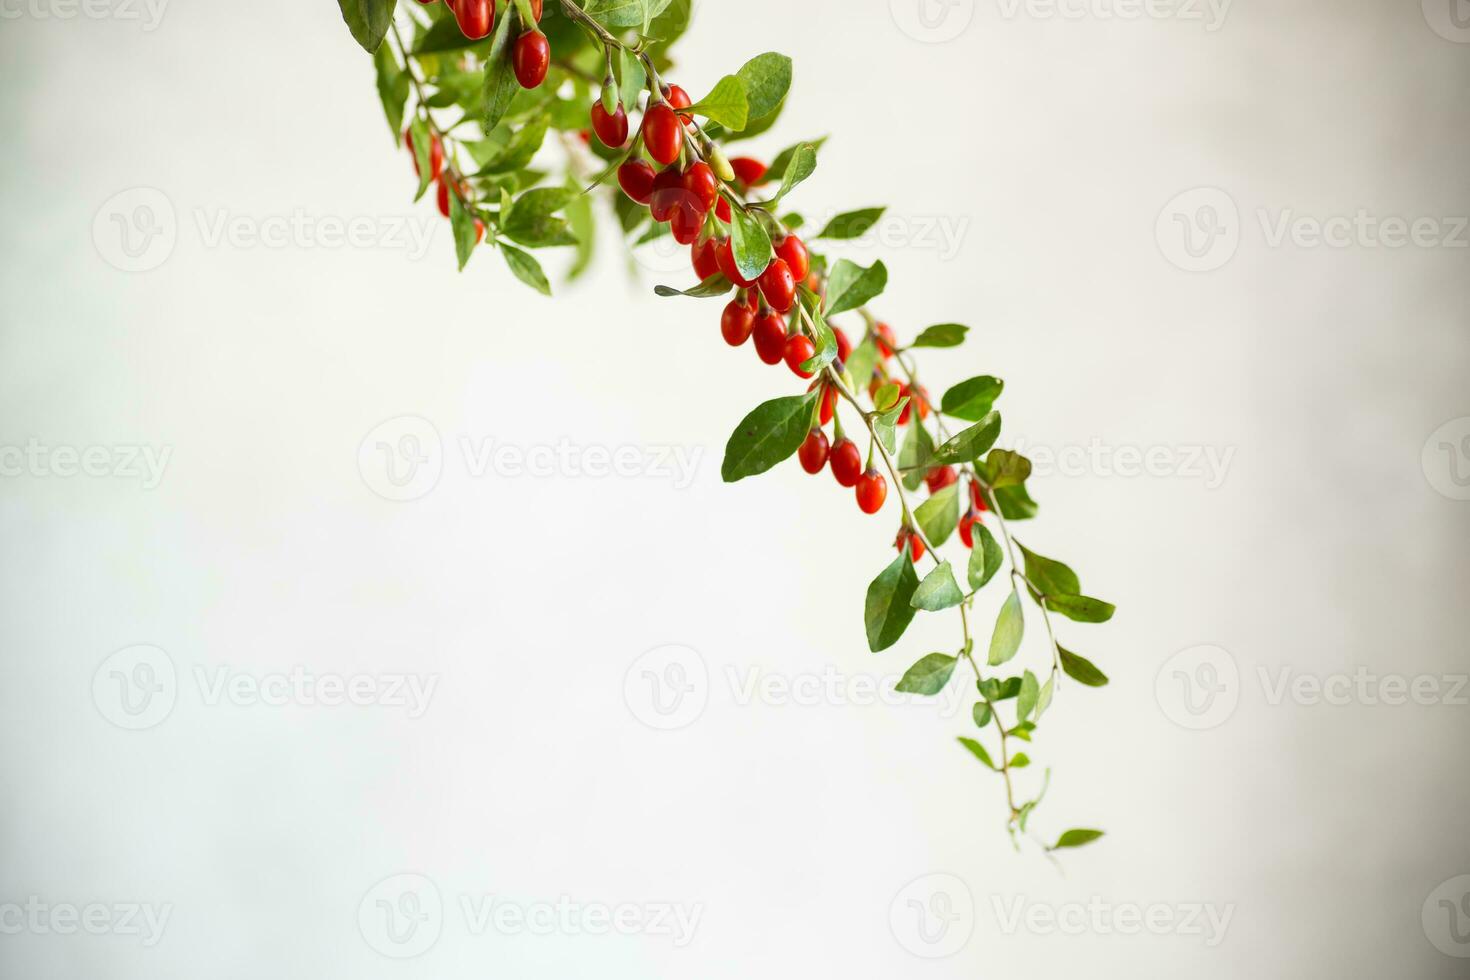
(1054, 144)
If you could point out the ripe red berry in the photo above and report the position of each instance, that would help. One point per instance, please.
(778, 286)
(844, 346)
(799, 348)
(847, 462)
(887, 343)
(722, 210)
(770, 337)
(813, 452)
(668, 194)
(532, 56)
(441, 194)
(436, 154)
(662, 133)
(686, 223)
(829, 400)
(726, 256)
(977, 497)
(748, 170)
(872, 490)
(702, 255)
(967, 527)
(475, 17)
(940, 477)
(793, 251)
(736, 323)
(479, 231)
(699, 180)
(636, 179)
(906, 536)
(679, 99)
(611, 129)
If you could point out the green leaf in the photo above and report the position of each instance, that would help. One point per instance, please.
(971, 400)
(771, 433)
(826, 341)
(633, 76)
(938, 590)
(1081, 670)
(939, 514)
(750, 244)
(782, 163)
(1010, 626)
(1043, 699)
(977, 750)
(885, 426)
(928, 676)
(970, 444)
(522, 147)
(994, 690)
(1076, 838)
(1081, 608)
(619, 13)
(985, 559)
(851, 224)
(942, 335)
(803, 165)
(887, 612)
(443, 35)
(583, 223)
(1020, 760)
(981, 714)
(1026, 700)
(887, 396)
(1004, 468)
(530, 220)
(418, 134)
(850, 285)
(917, 448)
(727, 104)
(368, 20)
(500, 86)
(462, 224)
(1015, 503)
(1049, 577)
(767, 78)
(861, 361)
(715, 285)
(671, 24)
(526, 268)
(393, 88)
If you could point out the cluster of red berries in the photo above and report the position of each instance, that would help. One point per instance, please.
(531, 55)
(445, 181)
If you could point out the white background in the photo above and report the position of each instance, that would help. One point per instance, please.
(1054, 143)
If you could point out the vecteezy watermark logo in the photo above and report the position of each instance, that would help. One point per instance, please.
(136, 687)
(1211, 13)
(1100, 917)
(1198, 688)
(1450, 19)
(1446, 459)
(148, 12)
(933, 916)
(402, 459)
(1199, 230)
(42, 461)
(932, 21)
(401, 916)
(94, 918)
(667, 687)
(136, 230)
(1446, 917)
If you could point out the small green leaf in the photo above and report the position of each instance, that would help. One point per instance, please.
(769, 434)
(633, 75)
(861, 361)
(802, 165)
(971, 400)
(462, 224)
(977, 750)
(418, 134)
(715, 285)
(500, 85)
(826, 341)
(750, 244)
(1020, 760)
(886, 397)
(942, 335)
(526, 268)
(522, 147)
(1081, 608)
(767, 79)
(393, 88)
(939, 514)
(619, 13)
(1081, 670)
(981, 714)
(938, 590)
(887, 611)
(726, 104)
(1043, 700)
(970, 444)
(1010, 625)
(885, 426)
(1076, 838)
(850, 285)
(1004, 468)
(531, 222)
(851, 224)
(917, 448)
(1049, 577)
(986, 558)
(928, 676)
(1015, 503)
(368, 20)
(1026, 700)
(782, 163)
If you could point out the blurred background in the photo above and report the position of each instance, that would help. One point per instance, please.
(334, 645)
